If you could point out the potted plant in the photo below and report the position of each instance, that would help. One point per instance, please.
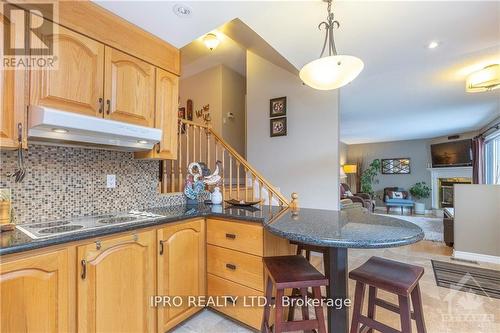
(420, 191)
(368, 177)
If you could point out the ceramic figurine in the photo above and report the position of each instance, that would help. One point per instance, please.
(216, 196)
(215, 178)
(194, 184)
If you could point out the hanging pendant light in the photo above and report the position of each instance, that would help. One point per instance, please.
(332, 71)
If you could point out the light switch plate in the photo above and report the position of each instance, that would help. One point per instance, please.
(111, 181)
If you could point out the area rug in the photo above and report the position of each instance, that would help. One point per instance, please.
(480, 281)
(432, 226)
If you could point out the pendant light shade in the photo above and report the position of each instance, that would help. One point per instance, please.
(331, 72)
(334, 70)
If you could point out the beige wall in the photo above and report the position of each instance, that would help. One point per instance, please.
(224, 90)
(233, 100)
(307, 159)
(477, 219)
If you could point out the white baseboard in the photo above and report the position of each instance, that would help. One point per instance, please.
(476, 257)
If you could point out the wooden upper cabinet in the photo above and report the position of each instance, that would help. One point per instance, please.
(181, 269)
(34, 293)
(12, 102)
(116, 278)
(167, 97)
(129, 89)
(76, 85)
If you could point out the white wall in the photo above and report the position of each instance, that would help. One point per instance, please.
(477, 219)
(305, 161)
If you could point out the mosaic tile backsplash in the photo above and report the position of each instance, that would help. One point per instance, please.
(66, 182)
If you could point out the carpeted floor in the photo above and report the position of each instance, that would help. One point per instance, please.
(432, 226)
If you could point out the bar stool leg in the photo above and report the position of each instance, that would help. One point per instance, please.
(320, 316)
(278, 310)
(405, 313)
(372, 294)
(267, 309)
(416, 299)
(305, 309)
(358, 304)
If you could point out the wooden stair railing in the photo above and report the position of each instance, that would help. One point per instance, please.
(200, 143)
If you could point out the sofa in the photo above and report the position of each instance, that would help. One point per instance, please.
(398, 197)
(364, 199)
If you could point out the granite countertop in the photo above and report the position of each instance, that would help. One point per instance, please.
(16, 241)
(345, 229)
(310, 226)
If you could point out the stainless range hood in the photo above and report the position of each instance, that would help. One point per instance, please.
(47, 125)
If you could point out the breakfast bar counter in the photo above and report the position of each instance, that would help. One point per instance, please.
(337, 231)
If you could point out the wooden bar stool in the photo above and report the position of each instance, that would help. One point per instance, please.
(392, 276)
(292, 272)
(301, 248)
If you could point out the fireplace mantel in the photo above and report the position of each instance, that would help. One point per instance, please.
(450, 172)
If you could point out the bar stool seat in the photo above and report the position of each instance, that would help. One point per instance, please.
(389, 275)
(295, 272)
(394, 277)
(292, 272)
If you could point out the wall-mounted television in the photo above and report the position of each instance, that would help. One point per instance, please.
(452, 154)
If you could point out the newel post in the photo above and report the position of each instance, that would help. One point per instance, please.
(294, 204)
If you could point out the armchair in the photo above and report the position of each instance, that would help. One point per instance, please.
(363, 198)
(390, 201)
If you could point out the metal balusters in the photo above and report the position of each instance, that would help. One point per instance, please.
(246, 184)
(223, 171)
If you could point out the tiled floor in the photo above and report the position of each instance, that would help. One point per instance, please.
(445, 310)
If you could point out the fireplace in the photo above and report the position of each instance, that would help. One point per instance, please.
(442, 181)
(445, 186)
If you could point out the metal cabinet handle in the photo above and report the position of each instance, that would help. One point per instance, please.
(231, 266)
(98, 245)
(161, 248)
(135, 237)
(108, 103)
(101, 105)
(84, 269)
(231, 236)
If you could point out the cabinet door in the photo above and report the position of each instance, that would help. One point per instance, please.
(115, 282)
(181, 269)
(34, 293)
(129, 89)
(167, 96)
(76, 85)
(12, 102)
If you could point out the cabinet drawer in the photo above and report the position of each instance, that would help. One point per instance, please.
(242, 268)
(244, 237)
(249, 315)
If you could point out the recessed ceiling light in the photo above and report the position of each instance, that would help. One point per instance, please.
(433, 44)
(59, 130)
(143, 142)
(211, 41)
(182, 10)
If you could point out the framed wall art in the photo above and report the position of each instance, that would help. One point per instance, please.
(277, 107)
(395, 166)
(278, 126)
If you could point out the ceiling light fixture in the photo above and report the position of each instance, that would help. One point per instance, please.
(182, 10)
(433, 44)
(332, 71)
(211, 41)
(59, 130)
(485, 79)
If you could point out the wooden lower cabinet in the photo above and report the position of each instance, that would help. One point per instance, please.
(181, 269)
(116, 279)
(35, 294)
(241, 309)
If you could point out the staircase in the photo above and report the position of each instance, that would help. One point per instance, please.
(199, 143)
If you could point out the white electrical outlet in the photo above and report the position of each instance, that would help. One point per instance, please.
(111, 181)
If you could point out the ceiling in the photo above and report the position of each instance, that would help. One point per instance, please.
(406, 90)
